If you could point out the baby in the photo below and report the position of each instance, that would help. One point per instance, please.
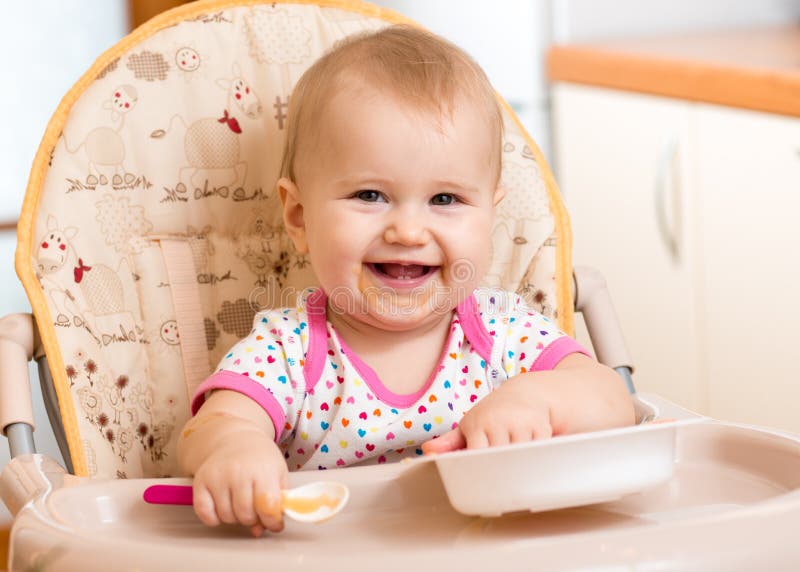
(389, 180)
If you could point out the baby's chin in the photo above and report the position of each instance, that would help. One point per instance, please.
(403, 320)
(394, 312)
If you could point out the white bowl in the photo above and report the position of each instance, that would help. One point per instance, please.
(565, 471)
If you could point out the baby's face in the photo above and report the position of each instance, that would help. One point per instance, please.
(397, 207)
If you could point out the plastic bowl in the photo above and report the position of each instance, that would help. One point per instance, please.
(561, 472)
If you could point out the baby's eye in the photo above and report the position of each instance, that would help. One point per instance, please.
(443, 199)
(369, 196)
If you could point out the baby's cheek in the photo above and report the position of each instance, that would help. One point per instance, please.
(482, 255)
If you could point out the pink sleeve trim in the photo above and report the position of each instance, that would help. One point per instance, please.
(555, 352)
(241, 383)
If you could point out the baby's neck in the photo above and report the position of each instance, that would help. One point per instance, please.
(402, 360)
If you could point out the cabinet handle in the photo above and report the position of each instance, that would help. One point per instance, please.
(668, 175)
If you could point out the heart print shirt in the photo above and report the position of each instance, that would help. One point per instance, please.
(330, 409)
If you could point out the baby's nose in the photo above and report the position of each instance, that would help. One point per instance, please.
(407, 230)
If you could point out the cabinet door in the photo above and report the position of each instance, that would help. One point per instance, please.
(621, 163)
(749, 176)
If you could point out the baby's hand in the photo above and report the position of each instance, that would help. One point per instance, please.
(239, 471)
(516, 412)
(241, 483)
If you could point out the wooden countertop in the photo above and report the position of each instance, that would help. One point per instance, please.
(5, 528)
(753, 69)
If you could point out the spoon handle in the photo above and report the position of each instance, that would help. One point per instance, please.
(168, 494)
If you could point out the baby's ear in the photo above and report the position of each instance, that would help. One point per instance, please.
(293, 218)
(499, 193)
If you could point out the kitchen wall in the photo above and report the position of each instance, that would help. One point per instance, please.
(584, 20)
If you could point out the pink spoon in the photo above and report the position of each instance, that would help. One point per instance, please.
(314, 502)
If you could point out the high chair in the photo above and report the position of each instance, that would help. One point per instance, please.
(150, 235)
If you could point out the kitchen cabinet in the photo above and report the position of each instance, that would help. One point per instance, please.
(748, 190)
(690, 211)
(616, 156)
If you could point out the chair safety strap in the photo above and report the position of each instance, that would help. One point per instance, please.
(185, 293)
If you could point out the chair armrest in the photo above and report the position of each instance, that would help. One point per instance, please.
(593, 300)
(16, 408)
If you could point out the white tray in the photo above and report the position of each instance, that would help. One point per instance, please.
(733, 504)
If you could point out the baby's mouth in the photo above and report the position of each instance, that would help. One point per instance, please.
(399, 271)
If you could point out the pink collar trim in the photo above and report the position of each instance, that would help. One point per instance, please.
(468, 316)
(317, 338)
(474, 329)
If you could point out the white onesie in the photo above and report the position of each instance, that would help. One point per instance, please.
(330, 409)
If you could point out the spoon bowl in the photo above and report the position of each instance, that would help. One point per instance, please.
(315, 502)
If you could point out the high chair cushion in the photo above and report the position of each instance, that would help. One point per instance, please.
(151, 231)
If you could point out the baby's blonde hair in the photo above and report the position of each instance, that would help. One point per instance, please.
(425, 70)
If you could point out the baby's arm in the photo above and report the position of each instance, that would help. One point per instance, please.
(239, 472)
(578, 395)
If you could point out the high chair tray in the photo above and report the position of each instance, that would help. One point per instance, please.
(733, 503)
